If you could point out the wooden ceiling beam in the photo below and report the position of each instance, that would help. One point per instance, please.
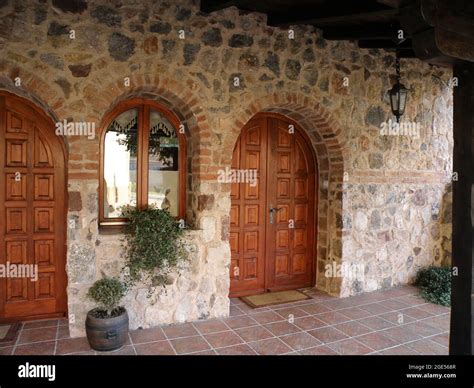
(453, 44)
(209, 6)
(329, 17)
(449, 15)
(369, 32)
(390, 3)
(442, 47)
(407, 53)
(442, 32)
(432, 13)
(385, 44)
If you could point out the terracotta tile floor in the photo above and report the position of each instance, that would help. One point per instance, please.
(394, 321)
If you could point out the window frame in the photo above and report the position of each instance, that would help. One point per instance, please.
(143, 107)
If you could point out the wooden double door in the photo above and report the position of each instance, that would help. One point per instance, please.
(272, 229)
(32, 213)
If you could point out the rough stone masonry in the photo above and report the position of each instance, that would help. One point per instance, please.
(384, 201)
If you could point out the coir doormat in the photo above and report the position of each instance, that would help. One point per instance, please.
(272, 298)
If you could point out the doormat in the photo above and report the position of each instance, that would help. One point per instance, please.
(310, 291)
(272, 298)
(9, 332)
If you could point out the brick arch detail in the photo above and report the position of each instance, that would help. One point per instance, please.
(184, 104)
(37, 103)
(330, 148)
(33, 88)
(319, 125)
(179, 97)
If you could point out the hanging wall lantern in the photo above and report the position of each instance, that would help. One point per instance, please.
(398, 94)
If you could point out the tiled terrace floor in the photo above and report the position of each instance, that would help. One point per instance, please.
(365, 324)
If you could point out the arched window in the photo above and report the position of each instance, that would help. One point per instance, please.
(142, 161)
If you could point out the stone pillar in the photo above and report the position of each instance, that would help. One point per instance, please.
(462, 329)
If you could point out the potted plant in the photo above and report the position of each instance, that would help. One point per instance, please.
(107, 324)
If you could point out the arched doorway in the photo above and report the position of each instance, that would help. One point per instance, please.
(32, 213)
(272, 218)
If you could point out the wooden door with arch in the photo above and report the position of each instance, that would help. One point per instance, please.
(272, 221)
(33, 200)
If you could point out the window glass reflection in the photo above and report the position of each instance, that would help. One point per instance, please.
(120, 163)
(163, 175)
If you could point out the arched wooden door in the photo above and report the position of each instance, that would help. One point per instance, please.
(272, 229)
(32, 213)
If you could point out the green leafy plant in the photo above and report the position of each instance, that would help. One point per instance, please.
(435, 284)
(153, 246)
(107, 293)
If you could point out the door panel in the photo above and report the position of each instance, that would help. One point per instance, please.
(33, 214)
(291, 194)
(247, 215)
(276, 249)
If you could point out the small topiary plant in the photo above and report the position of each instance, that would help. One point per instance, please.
(435, 284)
(107, 293)
(153, 245)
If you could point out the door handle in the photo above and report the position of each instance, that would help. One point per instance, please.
(273, 210)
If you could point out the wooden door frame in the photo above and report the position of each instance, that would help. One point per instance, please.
(311, 152)
(46, 127)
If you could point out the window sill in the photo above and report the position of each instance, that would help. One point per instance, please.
(111, 228)
(115, 228)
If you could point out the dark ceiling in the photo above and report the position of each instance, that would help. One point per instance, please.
(374, 23)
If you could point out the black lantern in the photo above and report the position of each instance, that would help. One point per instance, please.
(398, 94)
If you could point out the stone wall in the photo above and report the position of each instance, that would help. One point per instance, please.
(384, 201)
(391, 230)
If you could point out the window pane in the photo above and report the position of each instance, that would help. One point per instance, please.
(163, 175)
(120, 163)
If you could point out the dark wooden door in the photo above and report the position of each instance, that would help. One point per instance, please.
(32, 213)
(272, 223)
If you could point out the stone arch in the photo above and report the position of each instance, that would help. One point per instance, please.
(330, 148)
